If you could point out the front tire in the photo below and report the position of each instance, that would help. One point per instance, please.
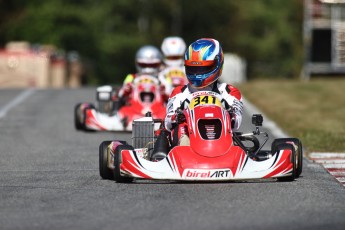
(104, 171)
(117, 163)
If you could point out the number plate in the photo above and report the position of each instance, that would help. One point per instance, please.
(204, 100)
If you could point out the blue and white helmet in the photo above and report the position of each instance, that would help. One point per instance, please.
(204, 60)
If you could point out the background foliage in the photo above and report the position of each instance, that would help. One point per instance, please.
(266, 33)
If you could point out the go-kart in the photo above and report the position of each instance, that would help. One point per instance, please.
(146, 97)
(173, 76)
(214, 152)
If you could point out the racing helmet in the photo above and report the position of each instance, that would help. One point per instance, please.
(204, 62)
(173, 49)
(148, 59)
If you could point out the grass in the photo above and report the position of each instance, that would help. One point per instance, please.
(312, 111)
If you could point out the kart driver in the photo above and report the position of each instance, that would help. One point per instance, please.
(148, 60)
(203, 64)
(173, 49)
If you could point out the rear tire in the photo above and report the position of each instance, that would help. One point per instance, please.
(299, 151)
(104, 171)
(293, 156)
(117, 162)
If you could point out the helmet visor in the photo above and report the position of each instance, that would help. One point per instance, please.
(176, 57)
(199, 67)
(149, 65)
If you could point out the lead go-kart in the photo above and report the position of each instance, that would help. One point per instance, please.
(214, 153)
(112, 115)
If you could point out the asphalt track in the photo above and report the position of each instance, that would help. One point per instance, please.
(49, 180)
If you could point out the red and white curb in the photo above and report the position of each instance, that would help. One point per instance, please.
(333, 162)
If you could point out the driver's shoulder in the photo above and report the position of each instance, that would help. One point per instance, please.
(230, 89)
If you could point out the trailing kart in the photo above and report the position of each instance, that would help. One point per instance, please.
(214, 152)
(173, 76)
(111, 116)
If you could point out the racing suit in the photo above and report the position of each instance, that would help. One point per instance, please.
(174, 133)
(232, 101)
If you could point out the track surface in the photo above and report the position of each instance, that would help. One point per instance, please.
(49, 180)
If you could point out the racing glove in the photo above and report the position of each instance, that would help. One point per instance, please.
(179, 116)
(128, 88)
(236, 110)
(125, 90)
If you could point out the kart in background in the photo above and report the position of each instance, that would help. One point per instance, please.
(146, 97)
(214, 153)
(176, 76)
(173, 77)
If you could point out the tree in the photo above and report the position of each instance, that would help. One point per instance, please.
(267, 33)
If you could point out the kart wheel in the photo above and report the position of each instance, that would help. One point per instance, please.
(299, 151)
(285, 146)
(79, 117)
(117, 162)
(104, 171)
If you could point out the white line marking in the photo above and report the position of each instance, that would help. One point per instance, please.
(334, 161)
(341, 179)
(326, 155)
(333, 166)
(21, 97)
(338, 174)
